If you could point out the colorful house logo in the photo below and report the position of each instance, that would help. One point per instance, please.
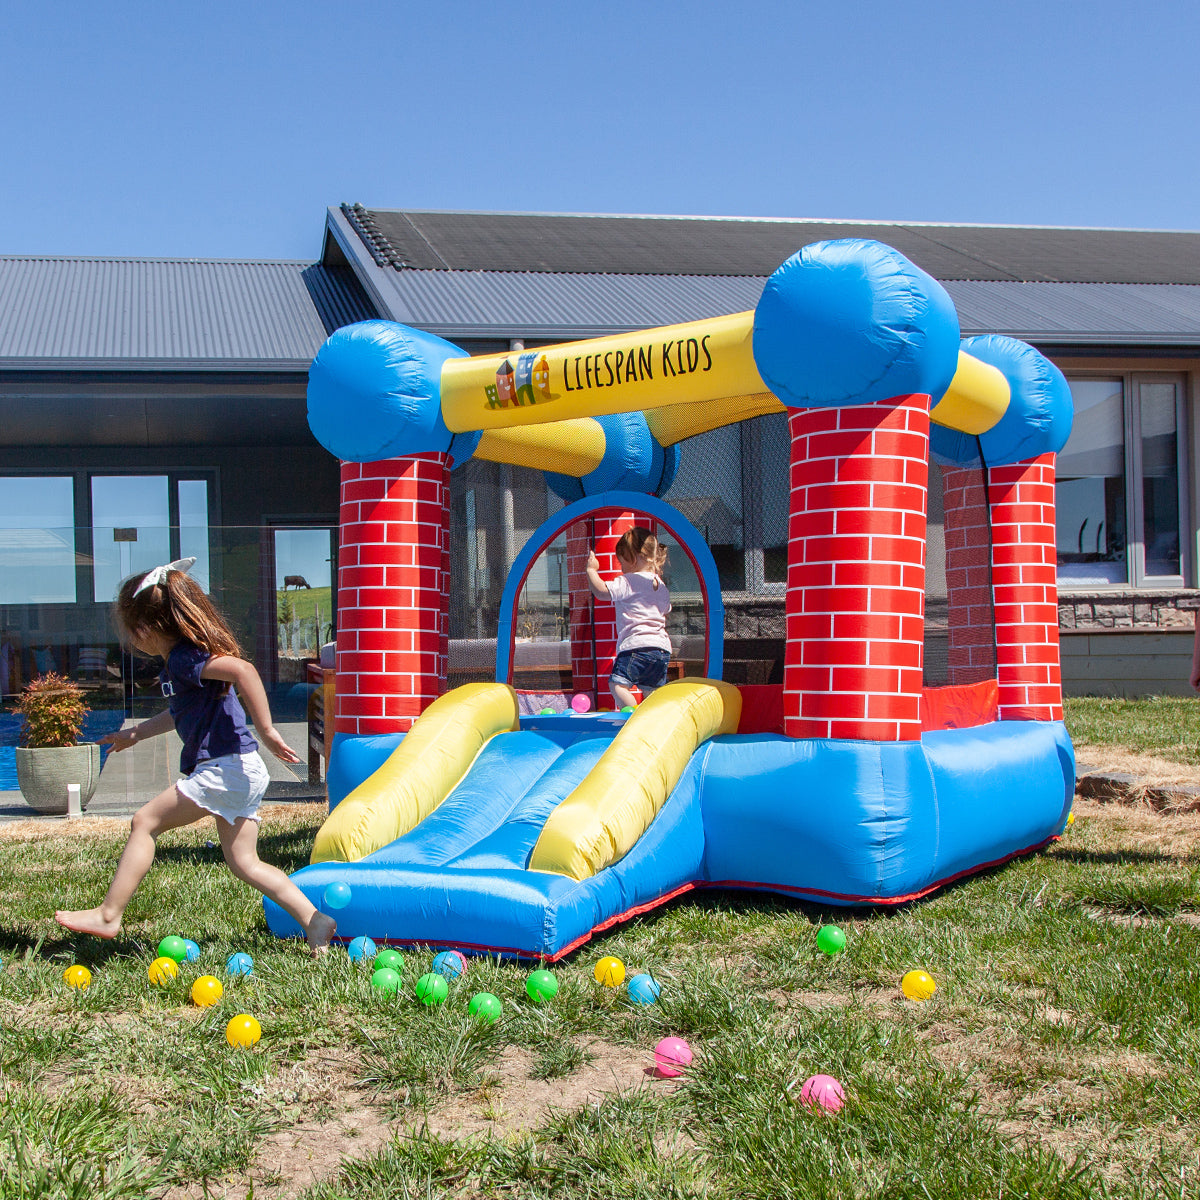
(528, 383)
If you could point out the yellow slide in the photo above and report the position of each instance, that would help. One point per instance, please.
(602, 819)
(420, 773)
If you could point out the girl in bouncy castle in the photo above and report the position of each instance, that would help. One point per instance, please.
(642, 603)
(166, 614)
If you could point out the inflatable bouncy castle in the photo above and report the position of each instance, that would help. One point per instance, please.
(468, 818)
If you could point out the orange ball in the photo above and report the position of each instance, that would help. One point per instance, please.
(243, 1031)
(206, 991)
(78, 977)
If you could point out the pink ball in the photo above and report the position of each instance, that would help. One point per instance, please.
(581, 703)
(822, 1090)
(672, 1056)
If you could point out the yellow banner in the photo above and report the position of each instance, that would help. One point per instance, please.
(708, 360)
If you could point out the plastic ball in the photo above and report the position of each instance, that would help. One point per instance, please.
(78, 977)
(644, 989)
(361, 947)
(239, 964)
(173, 947)
(918, 985)
(243, 1031)
(672, 1056)
(449, 964)
(581, 703)
(193, 949)
(337, 895)
(162, 970)
(1071, 817)
(545, 712)
(628, 708)
(432, 989)
(386, 979)
(610, 972)
(485, 1006)
(824, 1092)
(831, 939)
(541, 986)
(206, 991)
(388, 957)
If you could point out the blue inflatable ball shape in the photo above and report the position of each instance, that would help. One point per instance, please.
(449, 964)
(337, 895)
(239, 964)
(193, 949)
(360, 948)
(643, 989)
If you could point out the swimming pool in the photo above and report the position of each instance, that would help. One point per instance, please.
(95, 725)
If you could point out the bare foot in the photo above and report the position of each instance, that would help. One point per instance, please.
(320, 931)
(89, 920)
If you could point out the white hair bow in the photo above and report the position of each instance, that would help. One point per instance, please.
(159, 574)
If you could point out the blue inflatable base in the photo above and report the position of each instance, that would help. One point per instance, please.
(837, 822)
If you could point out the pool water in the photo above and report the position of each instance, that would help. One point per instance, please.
(95, 725)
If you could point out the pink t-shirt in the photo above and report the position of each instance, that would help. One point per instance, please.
(641, 611)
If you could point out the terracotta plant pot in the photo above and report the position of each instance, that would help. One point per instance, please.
(44, 772)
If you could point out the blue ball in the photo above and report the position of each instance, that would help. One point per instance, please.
(449, 964)
(337, 895)
(643, 989)
(239, 964)
(193, 949)
(361, 947)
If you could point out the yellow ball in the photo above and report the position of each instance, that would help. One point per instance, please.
(206, 991)
(78, 977)
(162, 971)
(243, 1030)
(1071, 817)
(918, 985)
(610, 972)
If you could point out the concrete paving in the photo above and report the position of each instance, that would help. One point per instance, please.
(138, 774)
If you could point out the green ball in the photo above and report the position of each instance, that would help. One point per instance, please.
(432, 989)
(831, 939)
(485, 1006)
(541, 986)
(386, 980)
(173, 947)
(390, 958)
(628, 708)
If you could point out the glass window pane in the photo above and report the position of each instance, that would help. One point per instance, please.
(773, 471)
(37, 540)
(131, 528)
(193, 527)
(708, 491)
(1090, 491)
(303, 575)
(1160, 478)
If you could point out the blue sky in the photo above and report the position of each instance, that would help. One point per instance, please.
(225, 129)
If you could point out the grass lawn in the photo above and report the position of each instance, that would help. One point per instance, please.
(1060, 1056)
(1167, 727)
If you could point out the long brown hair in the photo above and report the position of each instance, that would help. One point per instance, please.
(176, 608)
(639, 540)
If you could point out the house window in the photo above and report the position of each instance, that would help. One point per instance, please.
(140, 521)
(1119, 481)
(37, 539)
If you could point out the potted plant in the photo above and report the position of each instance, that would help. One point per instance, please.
(50, 755)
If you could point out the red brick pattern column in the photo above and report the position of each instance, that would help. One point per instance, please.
(972, 650)
(392, 580)
(608, 529)
(856, 570)
(1024, 579)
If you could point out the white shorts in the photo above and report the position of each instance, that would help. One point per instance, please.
(230, 787)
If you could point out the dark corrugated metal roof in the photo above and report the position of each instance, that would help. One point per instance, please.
(640, 245)
(170, 313)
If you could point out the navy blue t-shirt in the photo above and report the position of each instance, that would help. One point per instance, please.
(211, 723)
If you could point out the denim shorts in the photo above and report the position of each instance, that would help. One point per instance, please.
(645, 668)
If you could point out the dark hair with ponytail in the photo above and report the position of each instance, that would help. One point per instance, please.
(177, 608)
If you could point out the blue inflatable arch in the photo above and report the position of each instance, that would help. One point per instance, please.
(670, 519)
